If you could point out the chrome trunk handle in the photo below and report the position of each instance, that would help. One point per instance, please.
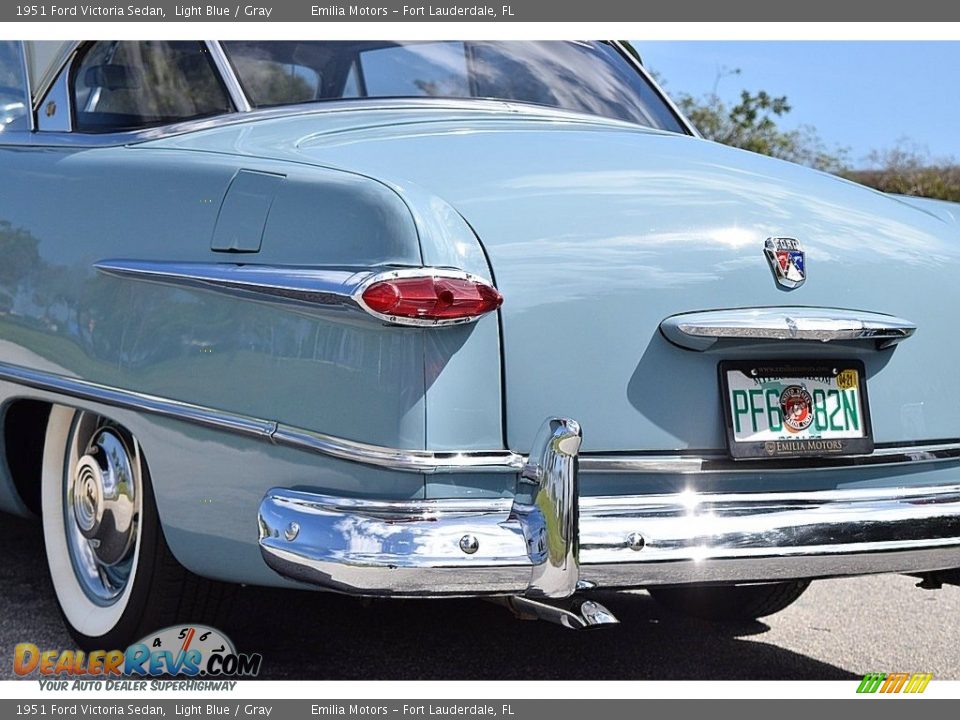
(701, 330)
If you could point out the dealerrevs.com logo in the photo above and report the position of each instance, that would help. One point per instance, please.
(186, 651)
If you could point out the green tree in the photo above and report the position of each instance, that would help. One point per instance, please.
(753, 124)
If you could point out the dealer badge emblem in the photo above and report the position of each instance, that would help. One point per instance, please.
(788, 261)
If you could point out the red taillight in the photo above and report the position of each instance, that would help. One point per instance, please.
(431, 299)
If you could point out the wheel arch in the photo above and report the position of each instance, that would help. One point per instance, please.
(23, 425)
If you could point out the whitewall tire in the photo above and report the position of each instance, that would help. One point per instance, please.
(114, 577)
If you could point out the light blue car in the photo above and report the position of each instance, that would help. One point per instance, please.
(452, 319)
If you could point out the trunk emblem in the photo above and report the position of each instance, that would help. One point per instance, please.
(787, 261)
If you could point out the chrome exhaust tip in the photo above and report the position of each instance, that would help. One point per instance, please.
(574, 613)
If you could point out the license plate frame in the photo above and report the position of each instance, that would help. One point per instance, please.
(801, 447)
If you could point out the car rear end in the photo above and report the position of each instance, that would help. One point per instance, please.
(744, 366)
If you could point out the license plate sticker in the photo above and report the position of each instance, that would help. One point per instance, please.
(776, 409)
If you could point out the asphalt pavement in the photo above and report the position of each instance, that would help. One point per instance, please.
(838, 630)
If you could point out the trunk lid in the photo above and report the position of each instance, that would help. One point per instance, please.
(596, 232)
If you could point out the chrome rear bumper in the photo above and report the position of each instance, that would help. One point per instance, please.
(548, 540)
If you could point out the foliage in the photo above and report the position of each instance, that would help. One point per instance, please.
(753, 124)
(19, 250)
(908, 170)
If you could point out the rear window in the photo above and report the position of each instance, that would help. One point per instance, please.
(592, 78)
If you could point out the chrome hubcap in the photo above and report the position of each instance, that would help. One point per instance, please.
(102, 508)
(87, 496)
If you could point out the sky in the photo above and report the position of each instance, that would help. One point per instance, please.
(863, 96)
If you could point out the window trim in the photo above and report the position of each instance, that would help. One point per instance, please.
(25, 69)
(228, 76)
(243, 110)
(59, 91)
(634, 61)
(468, 69)
(47, 80)
(69, 72)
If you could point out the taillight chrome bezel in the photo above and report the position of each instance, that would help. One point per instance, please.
(423, 272)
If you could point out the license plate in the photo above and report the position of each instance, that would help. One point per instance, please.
(777, 409)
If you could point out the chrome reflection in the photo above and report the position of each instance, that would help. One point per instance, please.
(577, 614)
(323, 289)
(420, 272)
(701, 330)
(546, 506)
(229, 78)
(412, 547)
(326, 288)
(103, 497)
(430, 547)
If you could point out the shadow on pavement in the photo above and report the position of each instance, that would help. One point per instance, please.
(308, 635)
(318, 636)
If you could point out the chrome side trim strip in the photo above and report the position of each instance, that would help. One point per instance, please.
(316, 288)
(476, 547)
(140, 402)
(416, 461)
(229, 77)
(454, 461)
(420, 461)
(701, 330)
(329, 288)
